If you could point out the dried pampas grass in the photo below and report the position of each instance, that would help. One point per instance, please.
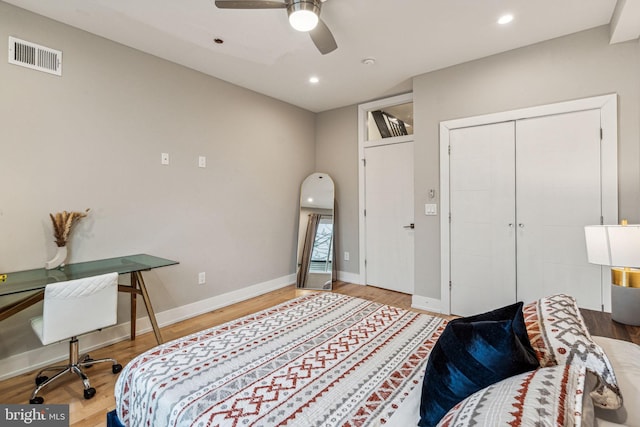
(62, 224)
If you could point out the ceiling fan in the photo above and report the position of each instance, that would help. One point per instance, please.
(304, 15)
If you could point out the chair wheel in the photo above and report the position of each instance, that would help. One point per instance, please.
(37, 400)
(41, 379)
(116, 368)
(89, 393)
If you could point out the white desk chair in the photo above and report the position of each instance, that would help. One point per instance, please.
(70, 309)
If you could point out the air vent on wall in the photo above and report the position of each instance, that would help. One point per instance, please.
(36, 57)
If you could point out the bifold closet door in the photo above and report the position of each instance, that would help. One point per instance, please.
(482, 229)
(520, 195)
(558, 187)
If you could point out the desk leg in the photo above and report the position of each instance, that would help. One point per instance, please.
(134, 285)
(20, 305)
(147, 303)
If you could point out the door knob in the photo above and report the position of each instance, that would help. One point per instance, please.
(510, 225)
(411, 226)
(521, 225)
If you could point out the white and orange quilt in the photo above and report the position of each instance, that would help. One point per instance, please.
(322, 359)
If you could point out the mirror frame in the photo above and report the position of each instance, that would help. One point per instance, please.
(317, 198)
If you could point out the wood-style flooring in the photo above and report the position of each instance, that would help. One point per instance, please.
(93, 412)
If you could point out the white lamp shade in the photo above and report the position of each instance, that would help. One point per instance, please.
(613, 245)
(624, 242)
(597, 244)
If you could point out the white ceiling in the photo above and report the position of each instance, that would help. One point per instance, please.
(263, 53)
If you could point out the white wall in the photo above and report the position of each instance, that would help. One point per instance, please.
(92, 139)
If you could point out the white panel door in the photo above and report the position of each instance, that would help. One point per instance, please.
(389, 216)
(482, 228)
(558, 193)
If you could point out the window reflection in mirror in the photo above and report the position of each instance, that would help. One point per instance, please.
(322, 253)
(389, 122)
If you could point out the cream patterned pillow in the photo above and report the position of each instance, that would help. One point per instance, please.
(559, 336)
(550, 396)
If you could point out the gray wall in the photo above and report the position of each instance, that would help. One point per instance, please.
(576, 66)
(92, 139)
(337, 155)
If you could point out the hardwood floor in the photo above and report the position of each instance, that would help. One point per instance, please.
(600, 323)
(93, 412)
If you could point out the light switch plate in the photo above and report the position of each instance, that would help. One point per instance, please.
(164, 158)
(431, 209)
(202, 162)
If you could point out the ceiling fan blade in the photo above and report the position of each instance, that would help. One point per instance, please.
(250, 4)
(322, 38)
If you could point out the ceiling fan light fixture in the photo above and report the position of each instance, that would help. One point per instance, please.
(304, 15)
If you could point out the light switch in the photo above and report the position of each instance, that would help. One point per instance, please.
(431, 209)
(202, 162)
(164, 158)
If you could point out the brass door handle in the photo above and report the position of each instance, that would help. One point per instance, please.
(411, 226)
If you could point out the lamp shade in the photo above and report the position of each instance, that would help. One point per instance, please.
(597, 241)
(613, 245)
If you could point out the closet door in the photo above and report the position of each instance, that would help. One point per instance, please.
(558, 192)
(482, 228)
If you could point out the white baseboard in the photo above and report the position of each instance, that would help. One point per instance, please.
(53, 353)
(188, 311)
(425, 303)
(345, 276)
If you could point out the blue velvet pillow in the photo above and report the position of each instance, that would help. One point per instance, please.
(471, 354)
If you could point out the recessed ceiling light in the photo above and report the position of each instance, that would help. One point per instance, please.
(313, 79)
(505, 19)
(368, 61)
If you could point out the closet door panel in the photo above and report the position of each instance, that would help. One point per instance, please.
(558, 193)
(482, 231)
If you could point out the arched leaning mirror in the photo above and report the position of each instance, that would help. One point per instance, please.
(315, 233)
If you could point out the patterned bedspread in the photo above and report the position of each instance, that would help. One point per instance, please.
(323, 359)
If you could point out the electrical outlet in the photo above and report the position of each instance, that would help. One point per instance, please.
(201, 278)
(164, 158)
(202, 162)
(346, 256)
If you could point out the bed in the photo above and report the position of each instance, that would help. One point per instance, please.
(327, 359)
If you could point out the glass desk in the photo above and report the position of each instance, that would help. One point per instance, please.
(34, 282)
